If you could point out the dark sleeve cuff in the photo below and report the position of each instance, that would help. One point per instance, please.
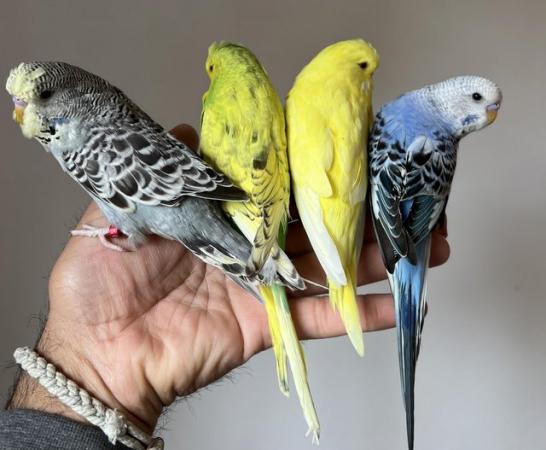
(26, 429)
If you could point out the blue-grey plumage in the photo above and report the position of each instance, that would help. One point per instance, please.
(142, 178)
(408, 284)
(413, 152)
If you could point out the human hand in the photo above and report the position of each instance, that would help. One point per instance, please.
(137, 329)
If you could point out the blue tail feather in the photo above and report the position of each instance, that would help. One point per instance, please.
(408, 285)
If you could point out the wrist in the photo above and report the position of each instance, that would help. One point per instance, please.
(29, 394)
(75, 360)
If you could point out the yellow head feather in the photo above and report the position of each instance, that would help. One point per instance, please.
(21, 85)
(236, 57)
(353, 60)
(21, 81)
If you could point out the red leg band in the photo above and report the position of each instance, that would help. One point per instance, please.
(113, 232)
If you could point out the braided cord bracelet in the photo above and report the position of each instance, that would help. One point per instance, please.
(111, 422)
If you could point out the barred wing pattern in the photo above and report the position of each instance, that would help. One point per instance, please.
(127, 166)
(410, 183)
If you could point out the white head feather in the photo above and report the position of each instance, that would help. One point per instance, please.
(467, 103)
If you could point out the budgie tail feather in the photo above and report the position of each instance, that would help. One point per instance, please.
(409, 289)
(292, 349)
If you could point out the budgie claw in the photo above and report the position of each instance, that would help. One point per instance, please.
(104, 234)
(313, 283)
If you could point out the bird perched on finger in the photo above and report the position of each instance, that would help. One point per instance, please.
(243, 136)
(413, 151)
(328, 113)
(143, 179)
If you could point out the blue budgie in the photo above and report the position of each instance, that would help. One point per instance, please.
(413, 153)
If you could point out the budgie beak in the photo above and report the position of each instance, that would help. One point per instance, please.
(19, 110)
(492, 112)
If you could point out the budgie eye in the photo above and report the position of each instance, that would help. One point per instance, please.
(211, 67)
(44, 95)
(477, 96)
(363, 65)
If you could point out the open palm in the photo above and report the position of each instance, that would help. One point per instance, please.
(157, 323)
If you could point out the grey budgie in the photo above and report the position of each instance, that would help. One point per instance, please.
(143, 179)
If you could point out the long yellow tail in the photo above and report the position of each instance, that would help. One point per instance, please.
(276, 339)
(343, 299)
(285, 339)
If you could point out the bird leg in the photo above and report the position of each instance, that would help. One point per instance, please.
(104, 234)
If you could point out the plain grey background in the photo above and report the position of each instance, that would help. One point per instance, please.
(481, 379)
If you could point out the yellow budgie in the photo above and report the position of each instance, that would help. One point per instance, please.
(243, 136)
(328, 114)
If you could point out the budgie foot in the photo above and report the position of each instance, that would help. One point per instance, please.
(104, 234)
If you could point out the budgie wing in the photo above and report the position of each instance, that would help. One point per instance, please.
(311, 156)
(125, 167)
(409, 188)
(387, 171)
(247, 138)
(424, 215)
(431, 170)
